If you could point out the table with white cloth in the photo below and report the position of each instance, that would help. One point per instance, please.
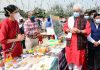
(53, 60)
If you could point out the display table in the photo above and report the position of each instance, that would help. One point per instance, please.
(53, 60)
(32, 63)
(62, 64)
(59, 52)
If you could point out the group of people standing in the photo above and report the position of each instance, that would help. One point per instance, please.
(83, 36)
(17, 33)
(83, 39)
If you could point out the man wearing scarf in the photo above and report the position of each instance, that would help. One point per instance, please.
(77, 29)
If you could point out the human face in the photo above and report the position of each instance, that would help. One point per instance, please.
(97, 20)
(92, 15)
(30, 14)
(15, 15)
(76, 12)
(86, 16)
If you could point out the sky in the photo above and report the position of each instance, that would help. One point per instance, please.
(28, 5)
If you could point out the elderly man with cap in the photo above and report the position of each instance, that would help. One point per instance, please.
(31, 31)
(77, 29)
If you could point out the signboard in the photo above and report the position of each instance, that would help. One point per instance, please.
(57, 26)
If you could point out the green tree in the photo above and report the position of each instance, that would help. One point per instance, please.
(57, 10)
(38, 12)
(23, 13)
(69, 10)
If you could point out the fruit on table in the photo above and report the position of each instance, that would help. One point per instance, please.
(59, 41)
(40, 49)
(44, 49)
(8, 59)
(30, 51)
(34, 50)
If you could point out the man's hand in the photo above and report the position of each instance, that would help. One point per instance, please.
(35, 34)
(96, 44)
(75, 30)
(68, 30)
